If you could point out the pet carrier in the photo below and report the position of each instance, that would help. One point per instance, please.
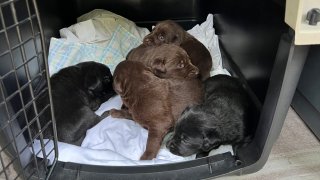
(306, 98)
(256, 46)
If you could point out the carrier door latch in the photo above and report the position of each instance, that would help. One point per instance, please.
(222, 163)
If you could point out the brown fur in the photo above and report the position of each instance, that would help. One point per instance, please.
(169, 32)
(166, 60)
(153, 102)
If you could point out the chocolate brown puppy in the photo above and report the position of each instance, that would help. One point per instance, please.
(171, 62)
(169, 32)
(153, 102)
(165, 60)
(147, 98)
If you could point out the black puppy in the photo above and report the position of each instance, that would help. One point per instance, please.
(221, 119)
(77, 91)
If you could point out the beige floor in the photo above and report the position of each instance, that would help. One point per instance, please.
(295, 155)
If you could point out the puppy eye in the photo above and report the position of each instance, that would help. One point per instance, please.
(183, 137)
(91, 91)
(161, 38)
(185, 140)
(106, 79)
(181, 65)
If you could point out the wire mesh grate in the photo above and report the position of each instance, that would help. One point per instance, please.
(23, 80)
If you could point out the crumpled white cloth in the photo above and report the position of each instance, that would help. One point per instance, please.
(205, 33)
(98, 26)
(90, 31)
(114, 142)
(121, 142)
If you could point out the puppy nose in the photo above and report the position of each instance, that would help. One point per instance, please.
(171, 145)
(147, 41)
(194, 73)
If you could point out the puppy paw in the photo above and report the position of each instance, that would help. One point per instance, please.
(94, 104)
(202, 154)
(105, 114)
(147, 156)
(115, 113)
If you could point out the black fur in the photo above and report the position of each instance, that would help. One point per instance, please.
(77, 91)
(221, 119)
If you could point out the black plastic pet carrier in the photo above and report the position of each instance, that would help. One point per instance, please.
(256, 45)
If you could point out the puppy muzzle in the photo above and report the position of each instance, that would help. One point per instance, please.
(173, 148)
(193, 72)
(147, 41)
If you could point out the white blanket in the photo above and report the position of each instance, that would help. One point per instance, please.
(121, 142)
(115, 142)
(206, 35)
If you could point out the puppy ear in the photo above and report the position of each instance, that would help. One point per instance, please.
(187, 109)
(211, 140)
(91, 83)
(117, 86)
(176, 39)
(158, 66)
(206, 144)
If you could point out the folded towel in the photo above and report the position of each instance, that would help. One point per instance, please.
(64, 53)
(109, 20)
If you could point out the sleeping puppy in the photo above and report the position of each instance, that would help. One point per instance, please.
(166, 60)
(221, 119)
(77, 91)
(147, 98)
(171, 62)
(169, 32)
(155, 103)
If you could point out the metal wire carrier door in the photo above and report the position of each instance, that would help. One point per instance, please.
(24, 78)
